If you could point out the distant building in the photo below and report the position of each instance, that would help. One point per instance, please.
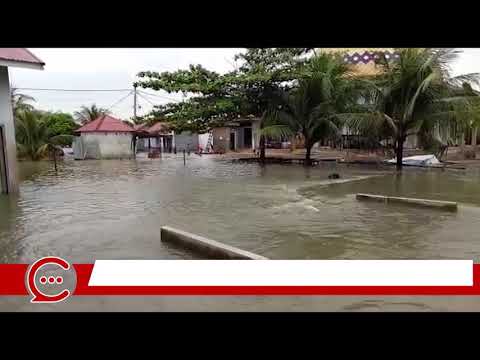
(11, 57)
(161, 137)
(104, 138)
(237, 135)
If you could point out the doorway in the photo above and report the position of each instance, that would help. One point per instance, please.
(232, 141)
(247, 137)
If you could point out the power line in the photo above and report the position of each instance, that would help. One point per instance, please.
(145, 98)
(73, 90)
(160, 96)
(119, 101)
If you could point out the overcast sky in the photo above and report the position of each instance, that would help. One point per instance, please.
(116, 69)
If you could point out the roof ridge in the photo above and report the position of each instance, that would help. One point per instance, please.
(100, 123)
(34, 56)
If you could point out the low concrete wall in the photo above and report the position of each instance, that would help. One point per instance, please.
(445, 205)
(204, 246)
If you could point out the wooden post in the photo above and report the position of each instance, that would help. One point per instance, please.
(55, 158)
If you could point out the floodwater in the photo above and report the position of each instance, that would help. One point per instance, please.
(114, 209)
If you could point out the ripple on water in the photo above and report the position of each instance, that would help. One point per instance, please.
(115, 208)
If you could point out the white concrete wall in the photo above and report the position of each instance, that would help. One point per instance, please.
(6, 122)
(104, 146)
(255, 135)
(203, 139)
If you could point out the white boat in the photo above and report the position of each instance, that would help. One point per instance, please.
(419, 160)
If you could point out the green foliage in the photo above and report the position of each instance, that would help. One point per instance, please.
(20, 102)
(312, 108)
(194, 80)
(197, 114)
(89, 113)
(34, 137)
(222, 97)
(413, 96)
(60, 123)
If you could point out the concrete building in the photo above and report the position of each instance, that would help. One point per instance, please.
(104, 138)
(155, 137)
(11, 57)
(160, 137)
(238, 135)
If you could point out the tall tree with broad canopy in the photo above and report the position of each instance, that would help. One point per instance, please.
(248, 90)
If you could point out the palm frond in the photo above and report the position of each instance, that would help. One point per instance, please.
(276, 132)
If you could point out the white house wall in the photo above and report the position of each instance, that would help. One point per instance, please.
(8, 129)
(203, 140)
(255, 134)
(103, 146)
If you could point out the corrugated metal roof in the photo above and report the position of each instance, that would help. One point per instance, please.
(105, 123)
(19, 55)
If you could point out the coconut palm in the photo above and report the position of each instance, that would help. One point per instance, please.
(312, 109)
(414, 94)
(20, 102)
(471, 117)
(34, 139)
(89, 113)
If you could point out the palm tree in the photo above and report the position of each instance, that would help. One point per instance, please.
(20, 102)
(413, 94)
(87, 114)
(312, 109)
(472, 117)
(34, 139)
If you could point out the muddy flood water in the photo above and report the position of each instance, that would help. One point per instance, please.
(114, 210)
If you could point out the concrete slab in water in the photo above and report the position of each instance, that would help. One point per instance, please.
(204, 246)
(446, 205)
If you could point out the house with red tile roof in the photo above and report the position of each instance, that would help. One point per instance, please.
(161, 137)
(11, 57)
(104, 138)
(158, 136)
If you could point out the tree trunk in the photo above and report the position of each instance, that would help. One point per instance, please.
(474, 136)
(399, 154)
(461, 141)
(55, 159)
(262, 149)
(262, 144)
(308, 154)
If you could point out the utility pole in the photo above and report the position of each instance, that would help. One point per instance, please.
(134, 102)
(135, 119)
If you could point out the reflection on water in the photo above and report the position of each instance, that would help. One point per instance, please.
(114, 210)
